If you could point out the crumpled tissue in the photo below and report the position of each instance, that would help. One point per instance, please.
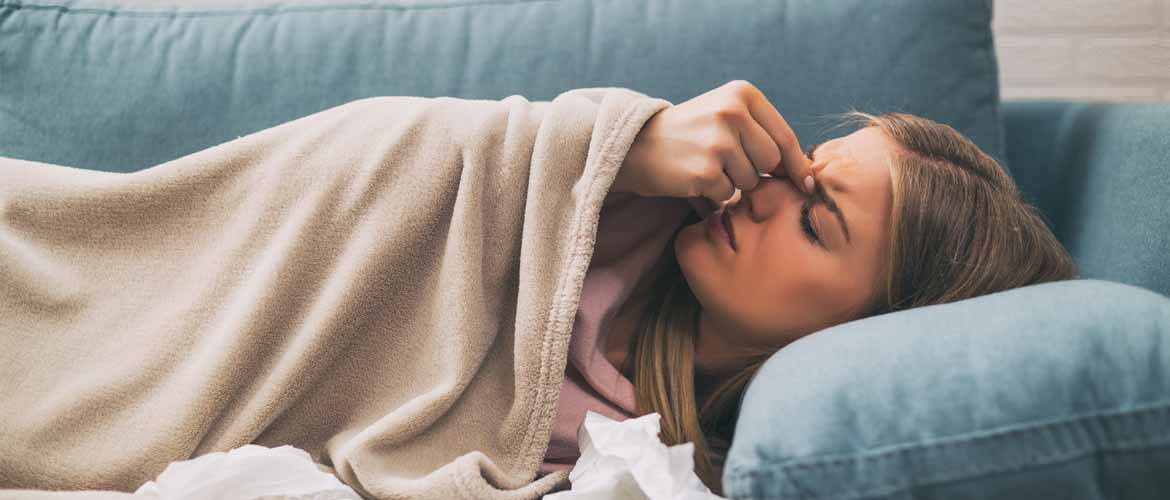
(626, 460)
(247, 473)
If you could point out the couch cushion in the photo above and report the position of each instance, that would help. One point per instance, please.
(1099, 172)
(122, 85)
(1056, 390)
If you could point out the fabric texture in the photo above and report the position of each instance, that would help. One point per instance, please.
(632, 233)
(389, 284)
(1056, 390)
(126, 84)
(1098, 171)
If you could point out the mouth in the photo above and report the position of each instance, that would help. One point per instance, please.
(727, 226)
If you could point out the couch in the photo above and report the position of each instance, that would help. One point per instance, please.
(1059, 390)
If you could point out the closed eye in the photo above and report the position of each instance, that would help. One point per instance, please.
(806, 224)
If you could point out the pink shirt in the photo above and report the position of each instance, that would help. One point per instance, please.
(632, 233)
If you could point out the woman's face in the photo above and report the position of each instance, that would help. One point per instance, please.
(780, 283)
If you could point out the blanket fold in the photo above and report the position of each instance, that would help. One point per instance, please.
(389, 284)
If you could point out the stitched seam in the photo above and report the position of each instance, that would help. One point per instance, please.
(280, 9)
(950, 442)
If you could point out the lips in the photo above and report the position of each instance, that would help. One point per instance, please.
(727, 225)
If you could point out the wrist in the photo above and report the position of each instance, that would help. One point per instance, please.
(623, 180)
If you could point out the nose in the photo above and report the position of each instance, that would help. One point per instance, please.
(770, 191)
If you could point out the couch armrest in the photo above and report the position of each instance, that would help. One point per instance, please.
(1100, 172)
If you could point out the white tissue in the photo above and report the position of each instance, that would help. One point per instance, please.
(246, 473)
(625, 460)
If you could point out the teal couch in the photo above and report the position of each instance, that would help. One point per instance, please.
(1101, 174)
(1053, 391)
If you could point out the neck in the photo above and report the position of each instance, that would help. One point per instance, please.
(621, 333)
(706, 380)
(716, 357)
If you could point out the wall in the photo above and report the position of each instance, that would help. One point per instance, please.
(1114, 50)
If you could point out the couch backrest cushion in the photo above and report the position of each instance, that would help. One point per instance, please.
(121, 85)
(1056, 390)
(1101, 173)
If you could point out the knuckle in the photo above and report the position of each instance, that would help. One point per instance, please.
(772, 157)
(751, 184)
(719, 149)
(740, 85)
(710, 172)
(729, 112)
(718, 152)
(742, 88)
(715, 143)
(772, 161)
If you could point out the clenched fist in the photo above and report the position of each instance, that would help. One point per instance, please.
(712, 145)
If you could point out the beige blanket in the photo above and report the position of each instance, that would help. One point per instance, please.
(389, 284)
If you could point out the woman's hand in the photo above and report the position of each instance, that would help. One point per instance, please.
(712, 145)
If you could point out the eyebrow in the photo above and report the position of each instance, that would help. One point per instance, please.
(829, 201)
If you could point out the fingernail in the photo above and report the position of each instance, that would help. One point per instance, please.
(808, 184)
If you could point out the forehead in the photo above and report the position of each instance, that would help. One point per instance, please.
(868, 148)
(857, 173)
(859, 165)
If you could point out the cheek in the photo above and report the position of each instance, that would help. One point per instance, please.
(829, 298)
(777, 286)
(797, 287)
(698, 263)
(789, 290)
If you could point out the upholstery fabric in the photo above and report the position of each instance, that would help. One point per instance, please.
(125, 84)
(1101, 172)
(1056, 390)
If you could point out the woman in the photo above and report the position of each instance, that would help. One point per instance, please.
(904, 212)
(389, 284)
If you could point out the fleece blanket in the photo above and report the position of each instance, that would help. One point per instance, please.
(389, 284)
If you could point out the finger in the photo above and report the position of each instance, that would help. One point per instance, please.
(739, 168)
(814, 174)
(792, 159)
(760, 147)
(702, 206)
(720, 190)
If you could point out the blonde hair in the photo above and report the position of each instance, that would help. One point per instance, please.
(959, 228)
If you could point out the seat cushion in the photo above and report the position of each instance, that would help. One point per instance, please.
(120, 85)
(1057, 390)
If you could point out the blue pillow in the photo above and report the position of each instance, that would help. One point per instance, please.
(1057, 390)
(121, 85)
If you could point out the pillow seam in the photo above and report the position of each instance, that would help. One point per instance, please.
(996, 434)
